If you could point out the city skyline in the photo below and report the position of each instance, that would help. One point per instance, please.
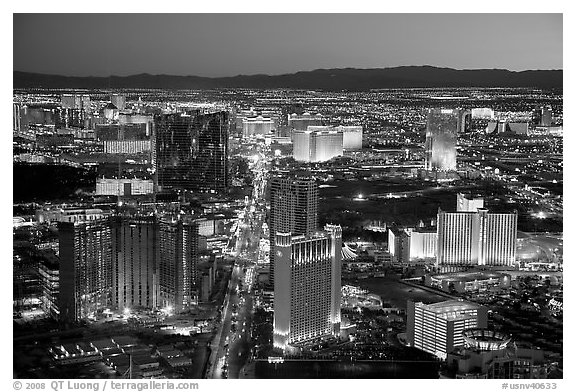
(190, 44)
(399, 223)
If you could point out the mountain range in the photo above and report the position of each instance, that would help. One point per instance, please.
(352, 79)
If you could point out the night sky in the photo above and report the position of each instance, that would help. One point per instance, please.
(232, 44)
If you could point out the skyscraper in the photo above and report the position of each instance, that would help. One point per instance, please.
(118, 100)
(468, 239)
(307, 288)
(437, 328)
(293, 208)
(441, 134)
(135, 258)
(191, 151)
(85, 268)
(178, 261)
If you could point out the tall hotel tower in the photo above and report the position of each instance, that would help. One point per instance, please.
(475, 238)
(293, 209)
(85, 267)
(135, 258)
(191, 151)
(177, 276)
(441, 134)
(307, 287)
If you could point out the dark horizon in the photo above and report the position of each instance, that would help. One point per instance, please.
(350, 79)
(290, 73)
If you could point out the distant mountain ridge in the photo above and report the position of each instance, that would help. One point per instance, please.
(353, 79)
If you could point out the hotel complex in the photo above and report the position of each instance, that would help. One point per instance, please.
(307, 287)
(478, 238)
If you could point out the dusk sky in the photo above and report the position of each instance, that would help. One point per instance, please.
(232, 44)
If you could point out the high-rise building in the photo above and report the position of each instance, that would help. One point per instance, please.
(545, 116)
(317, 144)
(118, 100)
(16, 117)
(85, 268)
(437, 328)
(467, 239)
(464, 120)
(135, 259)
(191, 152)
(399, 245)
(293, 208)
(307, 288)
(49, 270)
(423, 243)
(178, 261)
(441, 135)
(75, 101)
(468, 203)
(352, 137)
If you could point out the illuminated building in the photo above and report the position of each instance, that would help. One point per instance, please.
(252, 113)
(75, 101)
(317, 144)
(127, 146)
(463, 282)
(191, 152)
(118, 100)
(49, 272)
(307, 288)
(135, 256)
(257, 126)
(441, 134)
(423, 243)
(544, 116)
(16, 117)
(482, 238)
(124, 186)
(301, 122)
(68, 214)
(85, 268)
(352, 137)
(507, 127)
(398, 245)
(468, 203)
(482, 113)
(437, 328)
(110, 112)
(293, 209)
(464, 120)
(488, 354)
(130, 138)
(177, 276)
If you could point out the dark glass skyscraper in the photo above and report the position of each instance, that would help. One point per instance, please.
(191, 151)
(85, 268)
(135, 257)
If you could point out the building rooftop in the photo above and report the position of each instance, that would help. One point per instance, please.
(451, 309)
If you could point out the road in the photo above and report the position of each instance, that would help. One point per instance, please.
(231, 348)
